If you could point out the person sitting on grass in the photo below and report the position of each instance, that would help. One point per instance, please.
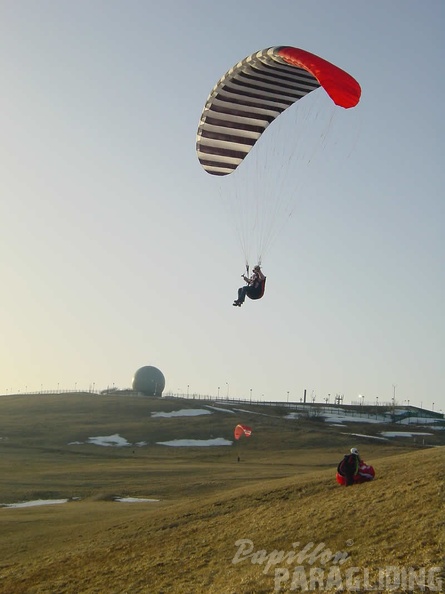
(348, 467)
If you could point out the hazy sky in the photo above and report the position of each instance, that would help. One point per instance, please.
(115, 247)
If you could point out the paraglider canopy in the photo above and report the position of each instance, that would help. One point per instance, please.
(260, 177)
(256, 91)
(241, 430)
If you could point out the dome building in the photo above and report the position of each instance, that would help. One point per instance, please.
(149, 381)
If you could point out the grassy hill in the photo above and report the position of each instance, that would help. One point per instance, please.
(282, 492)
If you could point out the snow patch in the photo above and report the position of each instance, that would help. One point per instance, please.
(184, 412)
(226, 410)
(109, 440)
(181, 443)
(329, 418)
(134, 500)
(35, 503)
(368, 436)
(401, 434)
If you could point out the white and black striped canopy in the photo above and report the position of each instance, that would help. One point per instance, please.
(249, 97)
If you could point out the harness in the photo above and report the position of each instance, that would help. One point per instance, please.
(258, 291)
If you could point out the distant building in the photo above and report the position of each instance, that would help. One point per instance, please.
(149, 381)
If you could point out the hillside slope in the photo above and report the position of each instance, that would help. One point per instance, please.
(189, 547)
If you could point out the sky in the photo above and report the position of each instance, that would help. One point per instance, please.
(116, 247)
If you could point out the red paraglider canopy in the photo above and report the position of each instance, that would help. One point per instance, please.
(341, 87)
(242, 430)
(365, 473)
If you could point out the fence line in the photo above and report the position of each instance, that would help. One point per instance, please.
(355, 409)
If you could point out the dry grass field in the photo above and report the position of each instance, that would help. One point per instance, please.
(281, 496)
